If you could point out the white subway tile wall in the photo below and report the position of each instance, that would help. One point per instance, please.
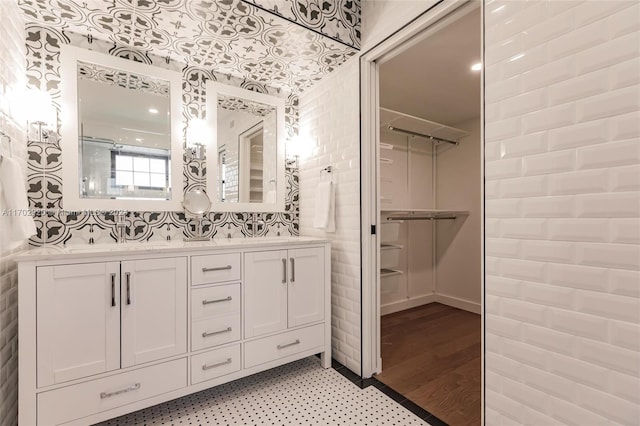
(562, 212)
(329, 122)
(12, 80)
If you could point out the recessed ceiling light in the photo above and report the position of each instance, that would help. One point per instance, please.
(153, 110)
(476, 67)
(138, 139)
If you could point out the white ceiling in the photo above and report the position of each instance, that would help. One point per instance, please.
(433, 79)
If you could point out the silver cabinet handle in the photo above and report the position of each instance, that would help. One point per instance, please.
(218, 268)
(128, 275)
(113, 289)
(293, 269)
(219, 364)
(133, 387)
(284, 271)
(297, 342)
(213, 333)
(208, 302)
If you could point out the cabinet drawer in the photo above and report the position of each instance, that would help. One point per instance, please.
(215, 301)
(291, 342)
(215, 331)
(84, 399)
(215, 268)
(216, 363)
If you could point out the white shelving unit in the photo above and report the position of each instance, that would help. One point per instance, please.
(408, 149)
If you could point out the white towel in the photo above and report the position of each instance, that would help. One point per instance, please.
(16, 224)
(325, 208)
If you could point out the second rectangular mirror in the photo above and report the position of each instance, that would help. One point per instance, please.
(246, 159)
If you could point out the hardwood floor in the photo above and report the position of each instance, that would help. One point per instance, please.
(431, 355)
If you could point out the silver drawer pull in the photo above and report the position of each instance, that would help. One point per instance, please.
(104, 395)
(219, 364)
(284, 271)
(208, 302)
(293, 269)
(219, 268)
(297, 342)
(213, 333)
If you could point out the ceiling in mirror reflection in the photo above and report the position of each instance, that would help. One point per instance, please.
(123, 107)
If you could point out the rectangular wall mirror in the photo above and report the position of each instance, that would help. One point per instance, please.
(121, 134)
(246, 157)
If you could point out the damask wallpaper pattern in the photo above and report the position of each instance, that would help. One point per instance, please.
(229, 36)
(230, 41)
(338, 19)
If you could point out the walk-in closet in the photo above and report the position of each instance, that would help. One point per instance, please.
(430, 238)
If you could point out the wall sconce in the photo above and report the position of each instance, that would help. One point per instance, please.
(197, 134)
(298, 147)
(293, 148)
(41, 116)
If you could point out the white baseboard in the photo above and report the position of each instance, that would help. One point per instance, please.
(454, 302)
(407, 304)
(465, 305)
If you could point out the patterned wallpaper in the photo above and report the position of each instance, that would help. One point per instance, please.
(45, 162)
(338, 19)
(230, 36)
(230, 41)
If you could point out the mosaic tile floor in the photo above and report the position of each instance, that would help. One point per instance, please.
(300, 393)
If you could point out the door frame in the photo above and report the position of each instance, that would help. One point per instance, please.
(437, 17)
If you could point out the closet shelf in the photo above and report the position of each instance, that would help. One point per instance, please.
(384, 272)
(390, 246)
(415, 214)
(426, 128)
(385, 145)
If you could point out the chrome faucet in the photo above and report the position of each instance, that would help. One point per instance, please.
(254, 223)
(121, 228)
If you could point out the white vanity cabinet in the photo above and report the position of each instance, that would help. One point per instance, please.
(283, 289)
(107, 332)
(91, 318)
(78, 321)
(153, 309)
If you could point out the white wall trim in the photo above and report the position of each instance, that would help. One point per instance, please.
(407, 304)
(420, 28)
(456, 302)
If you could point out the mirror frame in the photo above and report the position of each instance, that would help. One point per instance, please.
(214, 89)
(69, 57)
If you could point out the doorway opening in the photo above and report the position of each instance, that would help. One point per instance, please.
(423, 120)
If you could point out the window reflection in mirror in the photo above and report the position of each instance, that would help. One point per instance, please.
(247, 151)
(124, 128)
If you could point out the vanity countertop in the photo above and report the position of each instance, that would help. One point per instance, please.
(56, 252)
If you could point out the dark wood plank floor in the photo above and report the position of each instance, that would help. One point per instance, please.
(431, 355)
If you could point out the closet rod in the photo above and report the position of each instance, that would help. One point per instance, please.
(422, 135)
(412, 217)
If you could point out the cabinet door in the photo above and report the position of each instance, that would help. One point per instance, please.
(265, 292)
(306, 286)
(78, 321)
(154, 309)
